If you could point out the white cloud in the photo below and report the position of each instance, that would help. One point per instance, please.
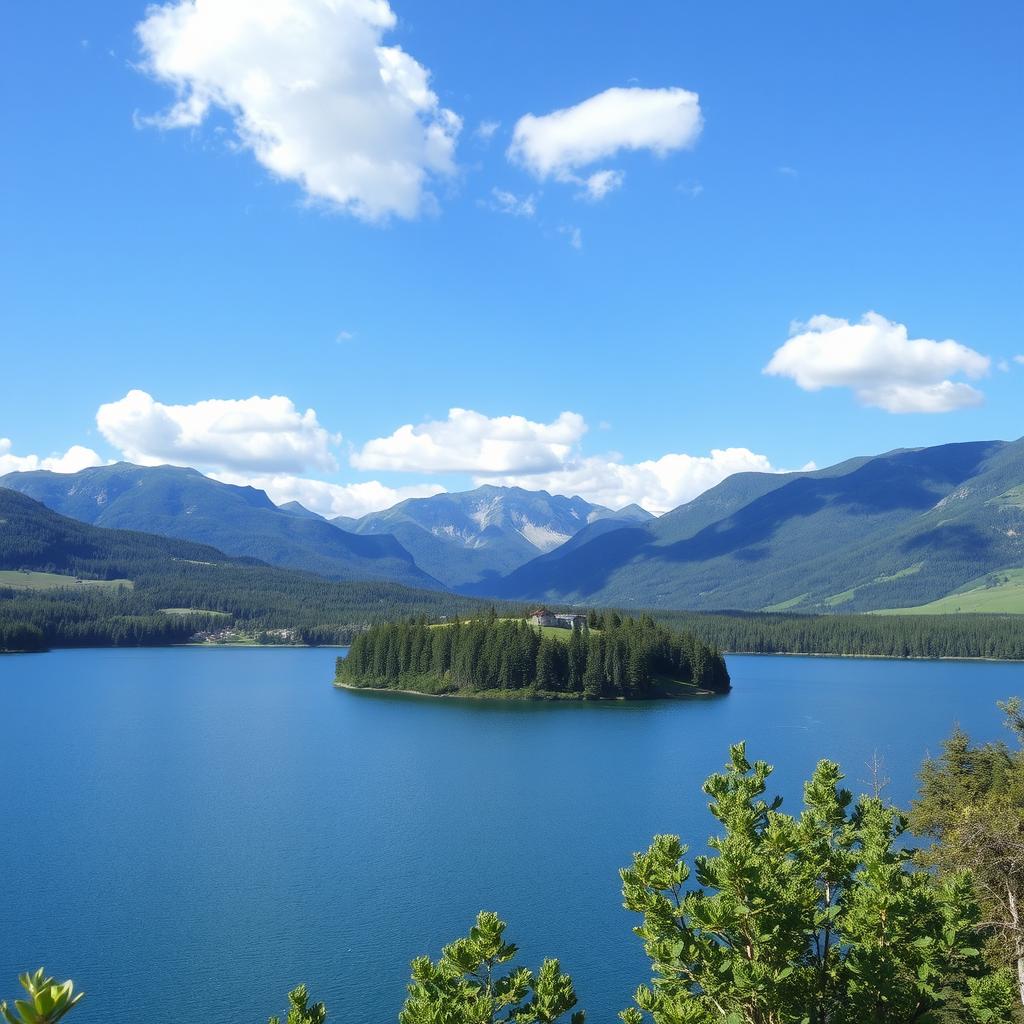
(657, 485)
(343, 336)
(558, 144)
(881, 364)
(73, 460)
(1019, 359)
(330, 499)
(312, 92)
(266, 435)
(510, 203)
(574, 235)
(469, 442)
(487, 129)
(600, 183)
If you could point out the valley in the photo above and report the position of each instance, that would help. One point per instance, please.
(903, 530)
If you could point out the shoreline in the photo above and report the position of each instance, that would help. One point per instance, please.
(337, 647)
(875, 657)
(554, 697)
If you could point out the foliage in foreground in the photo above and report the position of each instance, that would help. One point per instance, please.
(299, 1010)
(801, 920)
(463, 986)
(971, 802)
(48, 1000)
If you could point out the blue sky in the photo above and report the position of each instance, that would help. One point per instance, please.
(851, 159)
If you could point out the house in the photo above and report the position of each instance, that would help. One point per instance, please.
(542, 617)
(560, 620)
(571, 620)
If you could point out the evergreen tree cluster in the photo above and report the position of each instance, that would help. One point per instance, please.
(609, 657)
(884, 636)
(251, 599)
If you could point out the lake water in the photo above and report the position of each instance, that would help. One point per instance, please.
(188, 833)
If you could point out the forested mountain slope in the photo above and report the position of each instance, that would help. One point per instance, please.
(895, 530)
(183, 503)
(168, 573)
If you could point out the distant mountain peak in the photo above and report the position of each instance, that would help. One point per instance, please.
(296, 508)
(465, 536)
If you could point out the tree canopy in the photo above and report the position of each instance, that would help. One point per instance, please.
(632, 658)
(971, 803)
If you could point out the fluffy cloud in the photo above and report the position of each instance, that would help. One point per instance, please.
(312, 92)
(600, 183)
(559, 144)
(74, 459)
(469, 442)
(881, 364)
(657, 485)
(267, 435)
(330, 499)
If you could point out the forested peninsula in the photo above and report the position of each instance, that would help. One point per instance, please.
(606, 657)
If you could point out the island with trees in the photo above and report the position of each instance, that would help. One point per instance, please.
(604, 657)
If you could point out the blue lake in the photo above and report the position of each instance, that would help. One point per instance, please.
(189, 833)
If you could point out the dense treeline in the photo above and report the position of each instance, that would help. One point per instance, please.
(169, 573)
(314, 610)
(887, 636)
(609, 657)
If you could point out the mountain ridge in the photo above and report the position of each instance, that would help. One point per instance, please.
(865, 534)
(466, 537)
(241, 521)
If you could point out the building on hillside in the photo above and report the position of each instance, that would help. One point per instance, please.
(560, 620)
(542, 617)
(571, 620)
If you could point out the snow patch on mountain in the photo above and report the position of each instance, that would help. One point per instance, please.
(452, 532)
(544, 538)
(486, 513)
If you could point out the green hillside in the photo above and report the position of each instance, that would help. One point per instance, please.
(998, 592)
(198, 583)
(898, 530)
(240, 521)
(25, 579)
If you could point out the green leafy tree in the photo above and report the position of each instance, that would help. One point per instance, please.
(48, 1000)
(971, 801)
(466, 987)
(816, 919)
(299, 1010)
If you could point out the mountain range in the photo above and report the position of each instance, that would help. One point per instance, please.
(471, 539)
(877, 532)
(239, 521)
(449, 541)
(896, 530)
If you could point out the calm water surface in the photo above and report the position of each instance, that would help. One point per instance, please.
(189, 833)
